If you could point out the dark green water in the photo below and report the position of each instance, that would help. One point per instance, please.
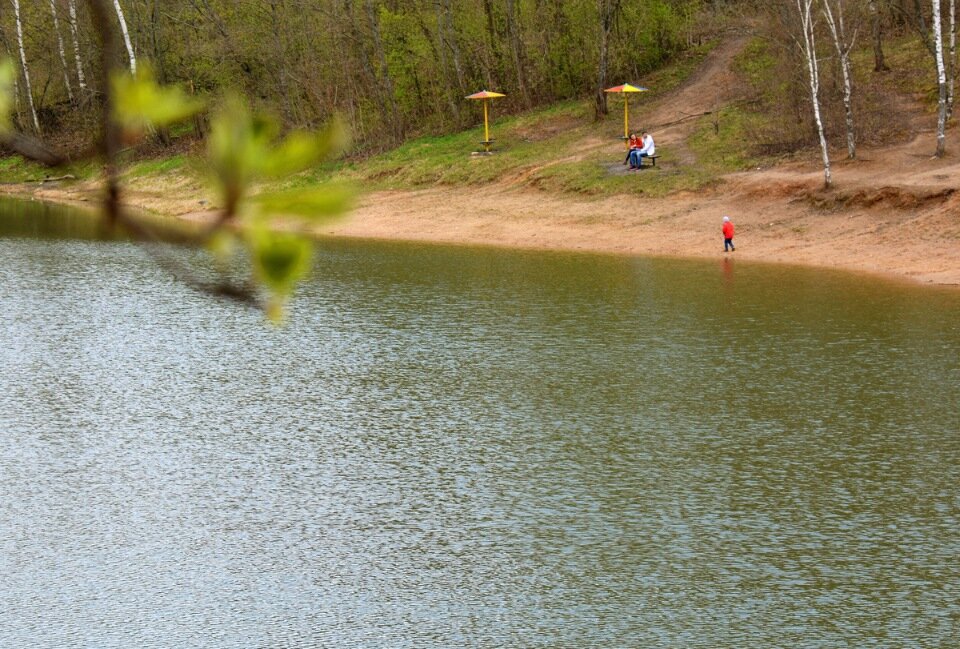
(474, 448)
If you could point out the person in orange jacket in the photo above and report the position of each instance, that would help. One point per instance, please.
(727, 234)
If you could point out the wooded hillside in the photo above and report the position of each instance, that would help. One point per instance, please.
(391, 67)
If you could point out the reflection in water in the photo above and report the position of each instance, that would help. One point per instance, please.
(453, 447)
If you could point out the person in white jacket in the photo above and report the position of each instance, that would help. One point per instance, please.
(648, 149)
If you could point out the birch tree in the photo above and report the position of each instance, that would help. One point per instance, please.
(23, 63)
(76, 45)
(941, 80)
(63, 55)
(835, 22)
(808, 47)
(126, 37)
(952, 81)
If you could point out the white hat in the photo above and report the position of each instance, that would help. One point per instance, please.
(726, 218)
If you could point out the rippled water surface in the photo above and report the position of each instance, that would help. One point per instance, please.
(474, 448)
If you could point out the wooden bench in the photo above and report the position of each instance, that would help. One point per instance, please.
(651, 158)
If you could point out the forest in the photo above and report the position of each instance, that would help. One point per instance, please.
(393, 69)
(390, 68)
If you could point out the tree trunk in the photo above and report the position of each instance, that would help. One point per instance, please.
(451, 42)
(126, 37)
(513, 32)
(809, 48)
(449, 92)
(876, 29)
(952, 84)
(385, 79)
(26, 70)
(63, 54)
(76, 45)
(492, 37)
(941, 81)
(280, 71)
(608, 10)
(838, 33)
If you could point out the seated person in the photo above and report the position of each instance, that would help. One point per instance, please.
(646, 150)
(635, 143)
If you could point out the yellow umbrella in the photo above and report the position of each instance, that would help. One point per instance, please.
(626, 88)
(485, 95)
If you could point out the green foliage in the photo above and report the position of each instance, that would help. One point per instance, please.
(141, 104)
(245, 148)
(280, 260)
(8, 74)
(316, 204)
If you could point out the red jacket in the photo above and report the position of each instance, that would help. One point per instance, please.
(728, 230)
(635, 143)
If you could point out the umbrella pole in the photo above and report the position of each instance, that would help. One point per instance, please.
(626, 122)
(486, 129)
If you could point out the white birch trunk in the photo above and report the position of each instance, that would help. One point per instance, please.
(838, 32)
(809, 49)
(76, 45)
(952, 81)
(941, 80)
(126, 37)
(23, 62)
(63, 54)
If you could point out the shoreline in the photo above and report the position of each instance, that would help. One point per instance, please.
(866, 241)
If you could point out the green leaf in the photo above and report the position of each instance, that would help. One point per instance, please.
(280, 259)
(236, 147)
(8, 74)
(222, 245)
(318, 204)
(141, 103)
(301, 150)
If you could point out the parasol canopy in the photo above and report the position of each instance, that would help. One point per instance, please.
(626, 87)
(485, 95)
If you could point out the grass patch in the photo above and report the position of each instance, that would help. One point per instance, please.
(724, 142)
(912, 66)
(156, 166)
(16, 169)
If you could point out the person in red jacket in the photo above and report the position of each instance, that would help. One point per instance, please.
(635, 143)
(727, 234)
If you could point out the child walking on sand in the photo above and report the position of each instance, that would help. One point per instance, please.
(727, 234)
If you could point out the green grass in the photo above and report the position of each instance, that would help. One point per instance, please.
(16, 169)
(723, 142)
(156, 166)
(911, 65)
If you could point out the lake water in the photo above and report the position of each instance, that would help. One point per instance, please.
(455, 447)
